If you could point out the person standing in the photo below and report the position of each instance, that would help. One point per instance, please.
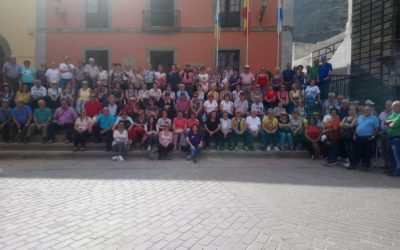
(288, 75)
(365, 135)
(247, 79)
(91, 71)
(324, 73)
(66, 73)
(27, 74)
(384, 142)
(53, 74)
(11, 73)
(393, 133)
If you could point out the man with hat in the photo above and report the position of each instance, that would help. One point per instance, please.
(5, 120)
(241, 104)
(325, 71)
(247, 79)
(21, 116)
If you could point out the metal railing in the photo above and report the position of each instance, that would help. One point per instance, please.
(327, 51)
(161, 20)
(340, 85)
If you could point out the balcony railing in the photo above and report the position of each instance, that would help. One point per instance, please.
(161, 20)
(340, 85)
(327, 51)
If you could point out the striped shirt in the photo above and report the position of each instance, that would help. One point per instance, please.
(11, 70)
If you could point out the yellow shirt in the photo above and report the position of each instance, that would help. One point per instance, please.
(270, 124)
(26, 97)
(85, 94)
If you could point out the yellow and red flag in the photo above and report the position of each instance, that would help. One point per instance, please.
(246, 17)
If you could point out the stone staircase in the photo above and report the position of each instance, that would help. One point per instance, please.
(60, 150)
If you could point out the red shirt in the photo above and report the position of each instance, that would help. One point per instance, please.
(191, 122)
(180, 123)
(313, 132)
(333, 124)
(263, 81)
(92, 109)
(270, 95)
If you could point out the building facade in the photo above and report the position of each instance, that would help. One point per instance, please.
(159, 32)
(17, 30)
(375, 65)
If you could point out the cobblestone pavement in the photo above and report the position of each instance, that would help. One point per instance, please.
(215, 204)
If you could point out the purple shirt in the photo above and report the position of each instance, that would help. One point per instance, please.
(65, 115)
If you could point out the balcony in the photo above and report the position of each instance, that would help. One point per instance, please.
(161, 20)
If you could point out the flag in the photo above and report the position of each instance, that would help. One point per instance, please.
(246, 17)
(217, 31)
(279, 17)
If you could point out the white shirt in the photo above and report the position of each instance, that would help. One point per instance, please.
(253, 122)
(120, 137)
(210, 106)
(53, 75)
(227, 106)
(38, 92)
(68, 71)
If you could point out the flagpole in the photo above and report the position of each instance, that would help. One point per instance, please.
(247, 32)
(279, 45)
(217, 34)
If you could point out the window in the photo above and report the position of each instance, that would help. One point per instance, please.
(163, 57)
(97, 13)
(101, 57)
(162, 12)
(226, 57)
(230, 13)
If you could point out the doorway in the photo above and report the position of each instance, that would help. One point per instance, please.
(165, 58)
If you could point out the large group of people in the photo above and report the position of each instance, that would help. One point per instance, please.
(187, 108)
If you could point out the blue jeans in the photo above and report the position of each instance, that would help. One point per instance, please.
(394, 154)
(286, 136)
(194, 152)
(268, 139)
(324, 88)
(64, 82)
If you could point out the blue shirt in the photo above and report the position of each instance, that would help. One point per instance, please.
(22, 116)
(324, 70)
(288, 75)
(366, 125)
(105, 122)
(27, 75)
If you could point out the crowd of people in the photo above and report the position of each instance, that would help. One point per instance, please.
(186, 108)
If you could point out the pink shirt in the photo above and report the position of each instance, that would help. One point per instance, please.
(247, 78)
(180, 123)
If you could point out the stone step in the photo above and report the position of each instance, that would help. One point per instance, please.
(64, 151)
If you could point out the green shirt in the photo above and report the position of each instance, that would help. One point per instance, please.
(42, 116)
(394, 130)
(314, 73)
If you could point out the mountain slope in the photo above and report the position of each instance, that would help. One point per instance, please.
(316, 20)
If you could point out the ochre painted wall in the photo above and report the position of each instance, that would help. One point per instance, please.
(17, 26)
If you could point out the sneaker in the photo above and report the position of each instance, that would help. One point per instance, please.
(50, 141)
(66, 141)
(114, 158)
(236, 148)
(148, 148)
(276, 149)
(269, 148)
(188, 158)
(246, 148)
(74, 149)
(120, 158)
(194, 160)
(331, 162)
(346, 164)
(82, 149)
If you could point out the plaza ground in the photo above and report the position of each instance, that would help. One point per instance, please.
(214, 204)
